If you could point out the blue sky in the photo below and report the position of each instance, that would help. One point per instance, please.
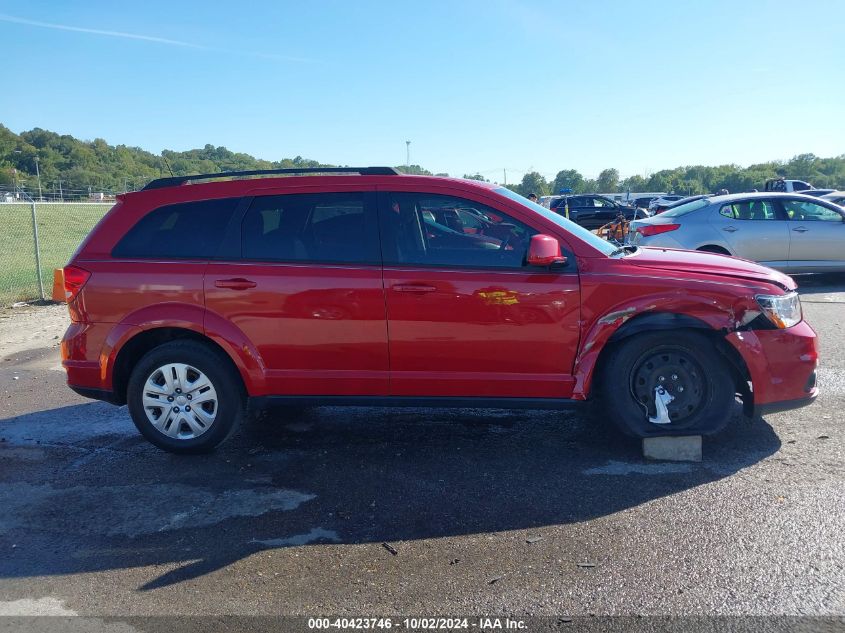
(476, 85)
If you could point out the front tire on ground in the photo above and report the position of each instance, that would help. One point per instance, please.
(686, 365)
(185, 397)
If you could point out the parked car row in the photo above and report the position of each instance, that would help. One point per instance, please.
(593, 211)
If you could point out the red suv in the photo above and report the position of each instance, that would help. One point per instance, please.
(191, 299)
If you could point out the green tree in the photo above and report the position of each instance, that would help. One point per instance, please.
(568, 179)
(633, 183)
(608, 181)
(414, 170)
(533, 182)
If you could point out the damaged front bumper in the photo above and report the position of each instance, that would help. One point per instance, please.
(781, 365)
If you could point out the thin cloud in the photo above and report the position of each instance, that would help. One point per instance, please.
(79, 29)
(145, 38)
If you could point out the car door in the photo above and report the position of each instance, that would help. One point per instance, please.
(301, 279)
(817, 235)
(605, 210)
(466, 316)
(754, 229)
(585, 210)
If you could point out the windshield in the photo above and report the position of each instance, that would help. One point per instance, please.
(683, 209)
(568, 225)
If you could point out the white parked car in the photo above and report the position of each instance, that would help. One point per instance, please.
(663, 201)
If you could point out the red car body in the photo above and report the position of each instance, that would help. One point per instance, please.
(385, 334)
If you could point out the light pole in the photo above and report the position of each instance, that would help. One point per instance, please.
(38, 173)
(407, 154)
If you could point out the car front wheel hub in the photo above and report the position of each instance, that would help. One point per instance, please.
(679, 374)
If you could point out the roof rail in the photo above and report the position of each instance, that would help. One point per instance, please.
(159, 183)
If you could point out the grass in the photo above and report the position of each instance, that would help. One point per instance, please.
(61, 227)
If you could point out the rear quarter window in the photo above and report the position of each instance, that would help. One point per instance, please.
(189, 230)
(683, 209)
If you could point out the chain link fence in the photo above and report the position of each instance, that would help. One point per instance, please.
(36, 238)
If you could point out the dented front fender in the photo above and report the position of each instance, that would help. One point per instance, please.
(662, 308)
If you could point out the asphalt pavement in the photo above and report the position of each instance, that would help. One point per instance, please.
(419, 511)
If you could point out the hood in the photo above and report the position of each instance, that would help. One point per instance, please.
(707, 264)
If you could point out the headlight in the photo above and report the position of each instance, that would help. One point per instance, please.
(782, 310)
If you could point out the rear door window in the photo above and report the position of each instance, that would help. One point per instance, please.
(190, 230)
(750, 210)
(325, 227)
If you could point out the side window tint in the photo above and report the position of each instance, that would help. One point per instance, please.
(436, 230)
(752, 210)
(810, 212)
(331, 227)
(191, 230)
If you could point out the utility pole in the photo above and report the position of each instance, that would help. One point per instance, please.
(506, 177)
(61, 197)
(407, 154)
(38, 173)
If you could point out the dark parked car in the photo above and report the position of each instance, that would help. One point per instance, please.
(592, 211)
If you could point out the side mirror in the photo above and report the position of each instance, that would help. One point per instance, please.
(544, 251)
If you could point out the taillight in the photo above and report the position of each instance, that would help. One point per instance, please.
(647, 230)
(75, 279)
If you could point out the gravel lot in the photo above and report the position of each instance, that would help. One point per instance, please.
(483, 511)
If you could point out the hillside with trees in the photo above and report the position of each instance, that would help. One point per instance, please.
(74, 168)
(694, 179)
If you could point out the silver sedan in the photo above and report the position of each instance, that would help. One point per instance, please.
(791, 232)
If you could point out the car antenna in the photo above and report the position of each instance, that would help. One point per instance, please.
(166, 163)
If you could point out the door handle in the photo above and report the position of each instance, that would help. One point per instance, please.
(413, 288)
(800, 229)
(235, 284)
(730, 229)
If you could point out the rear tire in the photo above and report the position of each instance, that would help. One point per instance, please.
(185, 397)
(689, 368)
